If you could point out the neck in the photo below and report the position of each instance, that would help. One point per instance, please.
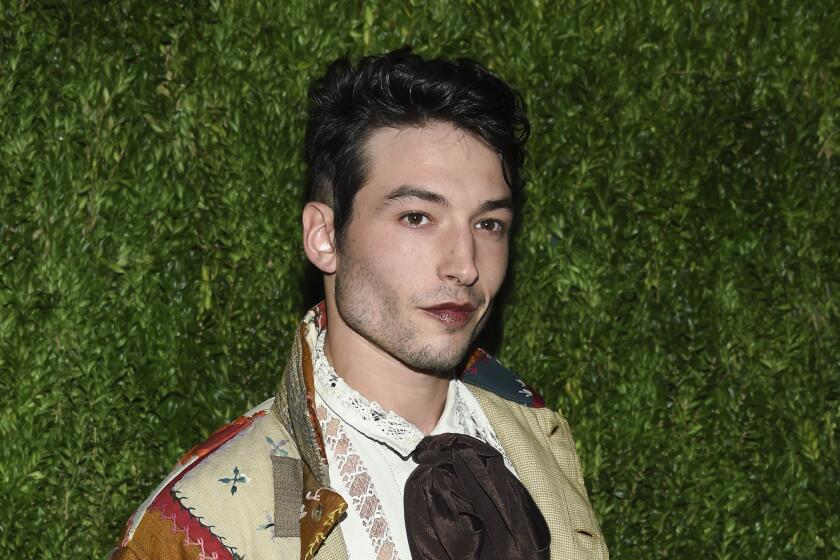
(417, 396)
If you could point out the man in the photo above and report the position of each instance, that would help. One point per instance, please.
(377, 444)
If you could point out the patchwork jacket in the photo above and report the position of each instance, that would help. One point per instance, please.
(259, 487)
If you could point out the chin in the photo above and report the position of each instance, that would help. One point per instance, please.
(443, 355)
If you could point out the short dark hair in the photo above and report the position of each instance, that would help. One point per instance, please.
(397, 89)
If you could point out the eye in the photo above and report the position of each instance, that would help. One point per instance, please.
(492, 226)
(415, 219)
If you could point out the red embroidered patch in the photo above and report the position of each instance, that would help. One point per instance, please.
(194, 531)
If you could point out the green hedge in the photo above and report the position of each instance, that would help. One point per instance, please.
(675, 293)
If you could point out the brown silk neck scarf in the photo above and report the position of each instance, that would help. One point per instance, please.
(461, 502)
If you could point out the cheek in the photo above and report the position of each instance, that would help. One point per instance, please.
(395, 264)
(400, 249)
(492, 265)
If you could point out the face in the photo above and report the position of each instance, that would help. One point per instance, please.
(426, 248)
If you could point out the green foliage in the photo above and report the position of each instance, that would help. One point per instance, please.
(675, 292)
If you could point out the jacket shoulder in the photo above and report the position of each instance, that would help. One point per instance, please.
(217, 502)
(485, 371)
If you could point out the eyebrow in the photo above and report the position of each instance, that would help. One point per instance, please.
(409, 191)
(505, 203)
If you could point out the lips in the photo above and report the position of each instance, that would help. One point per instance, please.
(451, 314)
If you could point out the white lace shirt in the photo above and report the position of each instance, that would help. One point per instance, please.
(368, 450)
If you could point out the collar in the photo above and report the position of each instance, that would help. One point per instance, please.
(369, 418)
(294, 406)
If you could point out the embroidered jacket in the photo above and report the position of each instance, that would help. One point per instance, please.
(259, 487)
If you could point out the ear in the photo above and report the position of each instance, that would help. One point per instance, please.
(319, 236)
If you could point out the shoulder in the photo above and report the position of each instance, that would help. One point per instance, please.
(485, 371)
(218, 501)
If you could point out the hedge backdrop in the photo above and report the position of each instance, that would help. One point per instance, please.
(675, 293)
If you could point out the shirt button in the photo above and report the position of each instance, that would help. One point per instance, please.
(316, 513)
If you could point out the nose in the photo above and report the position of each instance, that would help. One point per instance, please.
(457, 263)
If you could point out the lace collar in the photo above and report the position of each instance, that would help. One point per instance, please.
(370, 418)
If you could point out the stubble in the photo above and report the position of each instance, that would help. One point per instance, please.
(369, 304)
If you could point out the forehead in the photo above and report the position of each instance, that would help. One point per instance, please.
(438, 157)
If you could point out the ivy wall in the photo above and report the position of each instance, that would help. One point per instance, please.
(675, 290)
